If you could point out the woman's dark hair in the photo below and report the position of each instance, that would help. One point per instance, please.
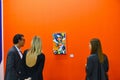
(17, 37)
(97, 49)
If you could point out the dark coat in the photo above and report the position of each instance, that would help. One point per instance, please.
(13, 65)
(96, 70)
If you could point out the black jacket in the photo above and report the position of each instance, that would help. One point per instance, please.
(13, 65)
(96, 70)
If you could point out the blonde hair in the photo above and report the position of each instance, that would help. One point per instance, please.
(34, 51)
(36, 45)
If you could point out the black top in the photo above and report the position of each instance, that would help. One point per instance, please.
(96, 70)
(34, 72)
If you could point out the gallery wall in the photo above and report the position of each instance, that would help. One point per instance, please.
(81, 20)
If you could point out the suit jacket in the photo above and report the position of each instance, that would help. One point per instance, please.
(96, 70)
(13, 65)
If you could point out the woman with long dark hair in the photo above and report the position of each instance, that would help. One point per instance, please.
(97, 63)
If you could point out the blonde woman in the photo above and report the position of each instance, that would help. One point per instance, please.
(33, 61)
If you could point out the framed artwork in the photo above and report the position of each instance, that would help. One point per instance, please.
(59, 43)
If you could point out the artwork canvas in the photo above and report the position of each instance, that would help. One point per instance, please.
(59, 43)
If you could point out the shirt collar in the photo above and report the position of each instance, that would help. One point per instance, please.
(17, 48)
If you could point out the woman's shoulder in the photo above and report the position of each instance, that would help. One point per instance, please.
(41, 54)
(105, 56)
(92, 55)
(26, 50)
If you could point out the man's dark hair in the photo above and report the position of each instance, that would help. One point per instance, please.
(17, 37)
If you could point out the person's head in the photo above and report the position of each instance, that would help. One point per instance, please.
(96, 48)
(19, 40)
(36, 45)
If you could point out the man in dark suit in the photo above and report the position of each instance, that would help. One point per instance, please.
(14, 59)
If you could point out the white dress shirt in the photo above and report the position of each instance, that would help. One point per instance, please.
(20, 54)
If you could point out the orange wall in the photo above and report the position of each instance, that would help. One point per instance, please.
(80, 19)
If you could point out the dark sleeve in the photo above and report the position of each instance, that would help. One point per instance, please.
(24, 54)
(10, 68)
(89, 66)
(42, 60)
(24, 71)
(106, 64)
(41, 65)
(24, 57)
